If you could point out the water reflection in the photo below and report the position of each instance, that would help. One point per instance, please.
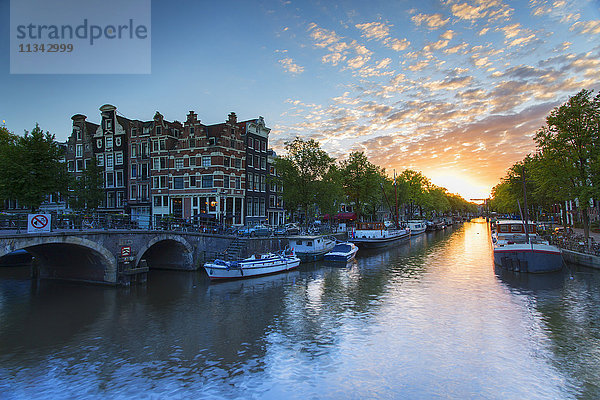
(427, 318)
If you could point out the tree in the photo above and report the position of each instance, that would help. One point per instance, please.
(304, 173)
(568, 149)
(417, 185)
(88, 189)
(8, 164)
(363, 181)
(31, 167)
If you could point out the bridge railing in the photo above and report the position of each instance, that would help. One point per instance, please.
(17, 223)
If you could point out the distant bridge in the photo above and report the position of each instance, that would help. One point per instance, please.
(112, 256)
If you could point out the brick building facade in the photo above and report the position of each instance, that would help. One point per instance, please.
(153, 169)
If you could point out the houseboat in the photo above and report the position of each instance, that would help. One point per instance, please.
(375, 234)
(521, 251)
(311, 248)
(416, 227)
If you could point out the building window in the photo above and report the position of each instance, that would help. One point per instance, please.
(100, 160)
(163, 181)
(119, 178)
(110, 180)
(192, 161)
(193, 181)
(250, 181)
(249, 207)
(133, 192)
(250, 143)
(226, 161)
(119, 158)
(238, 163)
(256, 162)
(262, 206)
(178, 182)
(238, 182)
(250, 160)
(134, 131)
(109, 161)
(133, 171)
(109, 143)
(99, 143)
(157, 201)
(79, 150)
(133, 150)
(206, 161)
(192, 143)
(263, 163)
(120, 199)
(191, 130)
(146, 130)
(155, 145)
(118, 142)
(110, 200)
(77, 133)
(156, 164)
(256, 183)
(79, 165)
(70, 166)
(262, 183)
(163, 144)
(207, 181)
(178, 163)
(272, 201)
(158, 130)
(108, 124)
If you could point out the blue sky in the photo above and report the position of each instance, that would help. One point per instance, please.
(455, 89)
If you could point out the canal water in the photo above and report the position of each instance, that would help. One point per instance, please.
(429, 318)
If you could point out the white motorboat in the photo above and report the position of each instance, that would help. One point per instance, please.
(343, 252)
(311, 248)
(416, 227)
(255, 265)
(375, 234)
(516, 250)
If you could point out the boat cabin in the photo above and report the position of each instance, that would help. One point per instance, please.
(369, 226)
(303, 244)
(512, 226)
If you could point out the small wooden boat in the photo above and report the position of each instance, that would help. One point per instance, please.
(255, 265)
(343, 252)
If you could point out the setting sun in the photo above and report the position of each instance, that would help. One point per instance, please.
(459, 184)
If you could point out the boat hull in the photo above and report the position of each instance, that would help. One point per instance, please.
(248, 269)
(373, 243)
(522, 259)
(308, 257)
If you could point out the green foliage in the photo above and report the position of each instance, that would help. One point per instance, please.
(566, 165)
(88, 190)
(308, 176)
(30, 167)
(362, 182)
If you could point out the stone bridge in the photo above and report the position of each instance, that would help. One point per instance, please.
(101, 256)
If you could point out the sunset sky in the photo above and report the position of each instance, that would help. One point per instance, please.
(455, 89)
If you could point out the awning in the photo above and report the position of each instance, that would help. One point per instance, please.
(346, 216)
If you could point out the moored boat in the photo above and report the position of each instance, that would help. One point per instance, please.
(343, 252)
(375, 234)
(255, 265)
(517, 250)
(311, 248)
(416, 227)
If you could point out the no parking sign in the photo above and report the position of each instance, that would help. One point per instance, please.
(38, 223)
